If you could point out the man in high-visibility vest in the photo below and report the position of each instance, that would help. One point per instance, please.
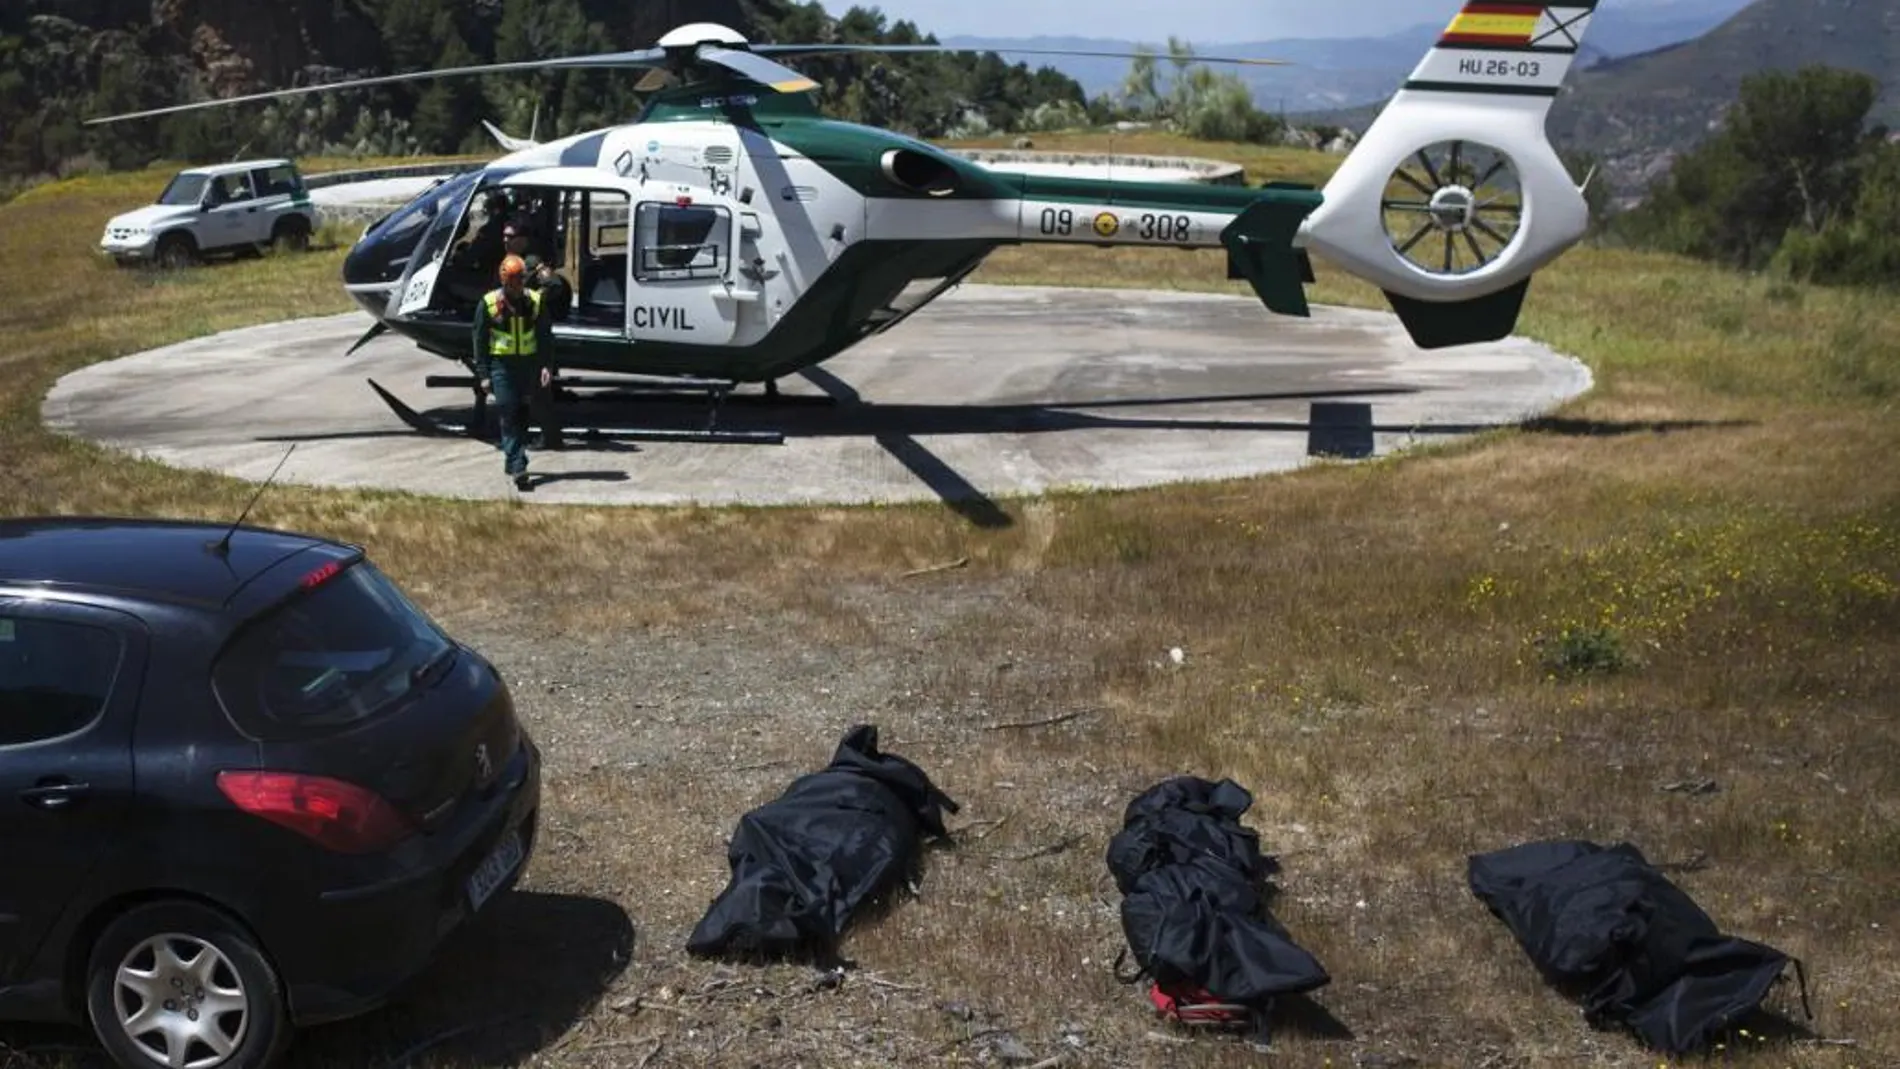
(514, 347)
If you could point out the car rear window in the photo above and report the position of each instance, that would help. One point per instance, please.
(275, 181)
(340, 653)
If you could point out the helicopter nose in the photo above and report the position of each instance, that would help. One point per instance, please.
(372, 299)
(372, 271)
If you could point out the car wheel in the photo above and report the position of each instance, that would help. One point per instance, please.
(176, 250)
(176, 985)
(293, 234)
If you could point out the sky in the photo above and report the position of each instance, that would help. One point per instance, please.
(1199, 21)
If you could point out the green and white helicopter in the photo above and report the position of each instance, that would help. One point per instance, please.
(733, 234)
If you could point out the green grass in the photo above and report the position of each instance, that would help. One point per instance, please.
(1692, 571)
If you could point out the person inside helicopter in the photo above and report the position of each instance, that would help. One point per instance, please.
(485, 246)
(522, 238)
(476, 257)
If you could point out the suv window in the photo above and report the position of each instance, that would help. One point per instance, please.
(55, 677)
(340, 653)
(231, 188)
(275, 181)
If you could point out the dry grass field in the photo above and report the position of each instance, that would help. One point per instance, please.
(1668, 615)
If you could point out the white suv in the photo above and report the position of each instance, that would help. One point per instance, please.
(232, 207)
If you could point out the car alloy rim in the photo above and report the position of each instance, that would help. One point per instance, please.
(181, 1002)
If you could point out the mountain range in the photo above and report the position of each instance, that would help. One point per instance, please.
(1635, 113)
(1344, 72)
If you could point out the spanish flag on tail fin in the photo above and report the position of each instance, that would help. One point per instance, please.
(1500, 25)
(1518, 48)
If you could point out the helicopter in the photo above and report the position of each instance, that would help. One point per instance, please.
(733, 234)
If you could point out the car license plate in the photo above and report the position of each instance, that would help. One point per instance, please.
(493, 870)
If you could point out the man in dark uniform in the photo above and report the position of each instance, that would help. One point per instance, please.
(519, 240)
(557, 297)
(514, 350)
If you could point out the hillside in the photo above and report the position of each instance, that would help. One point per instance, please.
(1329, 72)
(1342, 72)
(1636, 111)
(62, 61)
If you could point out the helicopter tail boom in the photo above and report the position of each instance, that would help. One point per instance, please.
(1257, 227)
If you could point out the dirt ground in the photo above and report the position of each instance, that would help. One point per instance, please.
(1710, 542)
(656, 742)
(657, 739)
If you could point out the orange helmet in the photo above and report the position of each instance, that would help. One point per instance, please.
(513, 267)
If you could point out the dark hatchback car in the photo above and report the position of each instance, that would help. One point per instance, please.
(245, 786)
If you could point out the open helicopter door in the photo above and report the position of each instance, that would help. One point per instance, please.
(444, 209)
(577, 224)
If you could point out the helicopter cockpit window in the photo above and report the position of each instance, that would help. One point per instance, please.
(682, 241)
(404, 225)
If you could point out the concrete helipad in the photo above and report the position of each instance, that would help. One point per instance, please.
(991, 391)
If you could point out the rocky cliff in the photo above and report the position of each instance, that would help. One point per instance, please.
(240, 46)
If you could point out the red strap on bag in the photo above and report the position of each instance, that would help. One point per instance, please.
(1197, 1006)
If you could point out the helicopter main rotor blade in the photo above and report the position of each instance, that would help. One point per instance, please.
(779, 77)
(817, 50)
(649, 57)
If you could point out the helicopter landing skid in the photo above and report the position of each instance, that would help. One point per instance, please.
(630, 388)
(477, 427)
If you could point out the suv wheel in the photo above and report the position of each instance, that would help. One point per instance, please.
(176, 250)
(293, 234)
(175, 985)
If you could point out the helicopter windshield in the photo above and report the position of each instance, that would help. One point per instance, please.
(406, 224)
(387, 247)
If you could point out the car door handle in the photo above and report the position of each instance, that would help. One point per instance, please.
(54, 795)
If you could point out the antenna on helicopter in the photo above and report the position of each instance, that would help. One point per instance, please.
(222, 547)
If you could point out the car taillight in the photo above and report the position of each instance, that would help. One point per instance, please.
(320, 575)
(341, 816)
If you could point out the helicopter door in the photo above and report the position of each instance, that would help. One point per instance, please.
(444, 208)
(679, 285)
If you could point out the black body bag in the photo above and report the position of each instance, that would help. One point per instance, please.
(1605, 926)
(804, 863)
(1194, 908)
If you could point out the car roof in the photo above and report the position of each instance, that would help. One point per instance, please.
(170, 561)
(241, 165)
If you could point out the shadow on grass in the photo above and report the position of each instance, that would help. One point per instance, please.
(1600, 428)
(498, 992)
(1302, 1015)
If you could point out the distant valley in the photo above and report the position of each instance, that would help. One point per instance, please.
(1344, 72)
(1636, 113)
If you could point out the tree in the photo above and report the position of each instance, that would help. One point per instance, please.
(61, 60)
(1198, 101)
(448, 116)
(1784, 158)
(1141, 91)
(1861, 247)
